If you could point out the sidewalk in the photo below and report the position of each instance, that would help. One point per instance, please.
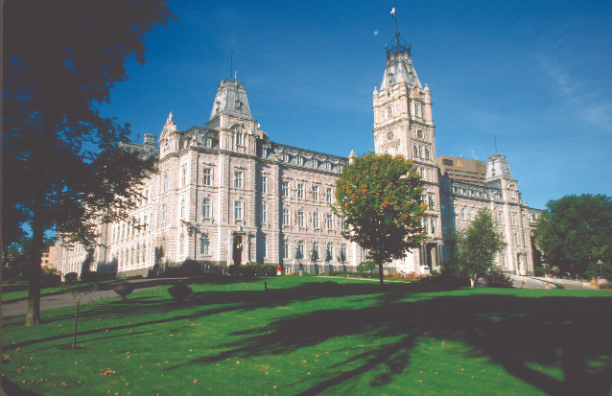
(65, 299)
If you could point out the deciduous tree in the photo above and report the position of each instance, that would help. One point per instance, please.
(575, 231)
(380, 199)
(473, 249)
(62, 165)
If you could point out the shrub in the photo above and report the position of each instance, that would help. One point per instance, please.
(448, 279)
(541, 271)
(98, 276)
(366, 266)
(71, 277)
(253, 270)
(606, 286)
(498, 279)
(410, 275)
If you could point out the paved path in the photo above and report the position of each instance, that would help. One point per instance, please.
(64, 299)
(569, 284)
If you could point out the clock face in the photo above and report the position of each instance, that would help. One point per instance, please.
(389, 135)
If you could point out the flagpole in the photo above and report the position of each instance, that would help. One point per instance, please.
(394, 7)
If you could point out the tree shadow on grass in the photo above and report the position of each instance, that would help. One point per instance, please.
(204, 304)
(567, 332)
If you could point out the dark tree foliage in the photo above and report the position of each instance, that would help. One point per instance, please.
(63, 166)
(380, 199)
(575, 232)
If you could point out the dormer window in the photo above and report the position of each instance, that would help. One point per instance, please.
(301, 161)
(286, 157)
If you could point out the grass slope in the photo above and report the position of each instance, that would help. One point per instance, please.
(304, 337)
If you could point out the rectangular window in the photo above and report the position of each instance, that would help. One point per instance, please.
(183, 176)
(315, 193)
(204, 244)
(524, 242)
(330, 221)
(513, 219)
(237, 179)
(206, 208)
(285, 216)
(301, 218)
(285, 248)
(431, 203)
(300, 250)
(329, 195)
(315, 250)
(239, 139)
(208, 142)
(262, 184)
(206, 172)
(146, 197)
(238, 210)
(285, 189)
(342, 225)
(264, 213)
(516, 240)
(315, 220)
(472, 214)
(163, 213)
(165, 183)
(262, 247)
(300, 190)
(426, 225)
(182, 209)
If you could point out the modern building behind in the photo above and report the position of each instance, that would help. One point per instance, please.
(462, 169)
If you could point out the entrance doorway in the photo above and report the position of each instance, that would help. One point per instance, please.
(238, 250)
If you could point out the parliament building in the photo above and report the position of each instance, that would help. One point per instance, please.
(226, 194)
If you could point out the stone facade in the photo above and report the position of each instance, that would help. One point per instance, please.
(225, 194)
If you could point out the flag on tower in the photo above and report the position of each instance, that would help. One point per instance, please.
(393, 12)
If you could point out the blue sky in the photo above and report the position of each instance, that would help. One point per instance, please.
(538, 75)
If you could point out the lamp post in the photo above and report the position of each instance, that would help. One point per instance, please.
(599, 264)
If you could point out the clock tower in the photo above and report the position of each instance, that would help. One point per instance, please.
(403, 124)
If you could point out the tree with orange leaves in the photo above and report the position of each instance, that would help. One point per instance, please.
(379, 197)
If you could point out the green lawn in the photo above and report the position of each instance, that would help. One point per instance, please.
(304, 337)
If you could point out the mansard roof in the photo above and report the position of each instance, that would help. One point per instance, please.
(232, 100)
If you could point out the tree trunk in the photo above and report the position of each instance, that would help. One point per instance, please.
(33, 312)
(380, 272)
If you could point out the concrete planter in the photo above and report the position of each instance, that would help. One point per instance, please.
(180, 291)
(123, 289)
